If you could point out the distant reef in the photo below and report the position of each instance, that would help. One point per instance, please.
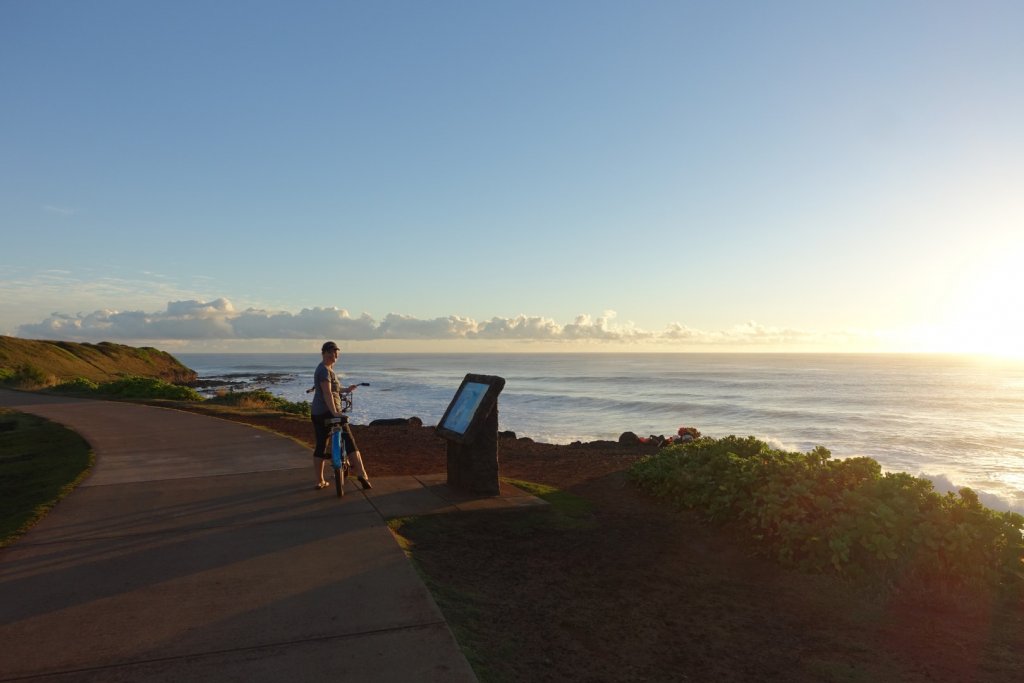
(58, 361)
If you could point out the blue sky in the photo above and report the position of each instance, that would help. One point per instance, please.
(513, 176)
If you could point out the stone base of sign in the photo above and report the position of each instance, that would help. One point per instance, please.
(473, 467)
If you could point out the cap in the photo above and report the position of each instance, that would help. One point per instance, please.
(329, 346)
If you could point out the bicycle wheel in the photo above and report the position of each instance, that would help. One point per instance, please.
(339, 481)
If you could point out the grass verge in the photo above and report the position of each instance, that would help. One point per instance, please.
(469, 609)
(460, 608)
(568, 511)
(40, 463)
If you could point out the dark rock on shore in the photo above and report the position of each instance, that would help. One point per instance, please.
(629, 439)
(414, 422)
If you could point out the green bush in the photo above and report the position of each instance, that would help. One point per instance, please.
(147, 387)
(78, 385)
(128, 388)
(842, 516)
(261, 398)
(24, 376)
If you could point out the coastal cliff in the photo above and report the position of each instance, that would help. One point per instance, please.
(51, 362)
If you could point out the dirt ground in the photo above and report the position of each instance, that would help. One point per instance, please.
(640, 592)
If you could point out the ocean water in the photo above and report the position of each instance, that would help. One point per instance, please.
(957, 420)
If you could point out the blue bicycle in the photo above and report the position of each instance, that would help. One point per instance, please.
(341, 434)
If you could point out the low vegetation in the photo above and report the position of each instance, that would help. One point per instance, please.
(470, 610)
(843, 516)
(260, 399)
(147, 388)
(107, 370)
(36, 364)
(40, 463)
(132, 388)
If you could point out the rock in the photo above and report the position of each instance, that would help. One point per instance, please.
(397, 422)
(507, 434)
(629, 439)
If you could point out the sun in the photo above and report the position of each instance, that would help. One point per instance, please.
(986, 315)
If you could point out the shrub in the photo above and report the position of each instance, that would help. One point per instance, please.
(25, 376)
(147, 387)
(78, 385)
(260, 399)
(842, 516)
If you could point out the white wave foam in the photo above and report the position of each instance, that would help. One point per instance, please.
(779, 444)
(943, 484)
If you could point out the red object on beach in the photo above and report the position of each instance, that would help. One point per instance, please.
(691, 432)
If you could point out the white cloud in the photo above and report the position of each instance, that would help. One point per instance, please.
(520, 327)
(193, 320)
(395, 326)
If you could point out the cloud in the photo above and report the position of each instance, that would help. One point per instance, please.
(520, 327)
(193, 320)
(59, 210)
(396, 326)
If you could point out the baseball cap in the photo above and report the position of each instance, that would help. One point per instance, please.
(329, 346)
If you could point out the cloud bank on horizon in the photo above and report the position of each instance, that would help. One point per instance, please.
(218, 320)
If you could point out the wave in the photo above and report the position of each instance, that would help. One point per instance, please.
(1001, 503)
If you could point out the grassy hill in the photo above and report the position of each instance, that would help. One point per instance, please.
(43, 363)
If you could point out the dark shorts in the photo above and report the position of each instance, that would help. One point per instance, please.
(322, 436)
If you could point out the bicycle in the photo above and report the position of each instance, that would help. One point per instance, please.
(338, 431)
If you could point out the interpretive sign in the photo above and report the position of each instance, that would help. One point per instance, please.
(476, 397)
(470, 425)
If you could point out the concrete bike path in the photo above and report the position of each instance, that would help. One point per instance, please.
(198, 550)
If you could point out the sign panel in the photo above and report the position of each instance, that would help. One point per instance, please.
(475, 399)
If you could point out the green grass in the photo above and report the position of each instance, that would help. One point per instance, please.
(40, 463)
(35, 363)
(460, 607)
(566, 503)
(467, 612)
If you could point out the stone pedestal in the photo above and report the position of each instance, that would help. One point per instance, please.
(473, 467)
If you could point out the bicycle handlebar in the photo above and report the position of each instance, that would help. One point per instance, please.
(361, 384)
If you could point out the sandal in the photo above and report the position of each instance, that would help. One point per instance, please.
(322, 485)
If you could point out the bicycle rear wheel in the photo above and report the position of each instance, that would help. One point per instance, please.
(339, 481)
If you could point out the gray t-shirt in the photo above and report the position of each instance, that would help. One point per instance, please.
(318, 406)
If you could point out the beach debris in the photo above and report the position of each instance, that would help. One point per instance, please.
(687, 434)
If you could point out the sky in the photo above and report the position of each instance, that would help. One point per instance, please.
(514, 176)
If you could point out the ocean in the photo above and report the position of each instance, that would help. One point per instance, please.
(956, 420)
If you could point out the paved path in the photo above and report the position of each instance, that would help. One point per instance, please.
(198, 551)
